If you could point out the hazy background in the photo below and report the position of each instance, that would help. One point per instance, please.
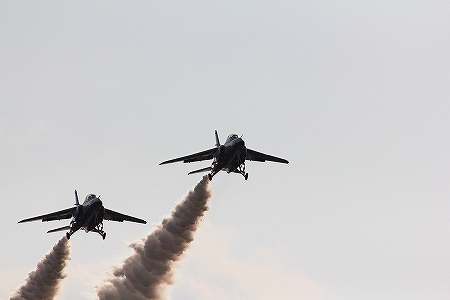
(94, 95)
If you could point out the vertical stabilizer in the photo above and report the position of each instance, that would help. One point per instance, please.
(76, 198)
(217, 139)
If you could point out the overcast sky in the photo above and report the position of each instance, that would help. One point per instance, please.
(95, 94)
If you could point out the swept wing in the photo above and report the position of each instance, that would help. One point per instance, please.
(258, 156)
(204, 155)
(58, 215)
(115, 216)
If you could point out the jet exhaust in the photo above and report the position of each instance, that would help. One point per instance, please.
(147, 273)
(43, 283)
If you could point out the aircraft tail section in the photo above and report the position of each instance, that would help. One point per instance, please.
(76, 198)
(59, 229)
(207, 169)
(217, 139)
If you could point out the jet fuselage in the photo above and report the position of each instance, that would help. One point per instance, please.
(229, 155)
(89, 214)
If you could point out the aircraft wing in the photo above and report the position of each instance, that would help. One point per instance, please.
(204, 155)
(115, 216)
(258, 156)
(58, 215)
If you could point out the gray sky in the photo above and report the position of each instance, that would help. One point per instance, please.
(94, 95)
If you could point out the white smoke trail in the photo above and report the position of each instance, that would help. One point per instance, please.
(146, 273)
(43, 283)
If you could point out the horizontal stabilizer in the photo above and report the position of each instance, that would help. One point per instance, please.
(59, 229)
(200, 170)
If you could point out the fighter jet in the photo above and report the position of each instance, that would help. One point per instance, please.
(229, 157)
(88, 216)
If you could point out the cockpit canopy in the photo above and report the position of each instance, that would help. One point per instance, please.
(90, 197)
(231, 137)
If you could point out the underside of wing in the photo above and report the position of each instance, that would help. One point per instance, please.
(204, 155)
(258, 156)
(115, 216)
(58, 215)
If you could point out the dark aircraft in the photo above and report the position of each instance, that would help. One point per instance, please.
(229, 157)
(88, 216)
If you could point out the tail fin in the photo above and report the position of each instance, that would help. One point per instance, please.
(76, 198)
(217, 139)
(200, 170)
(59, 229)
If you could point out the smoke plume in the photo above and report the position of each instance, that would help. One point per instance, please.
(146, 273)
(43, 283)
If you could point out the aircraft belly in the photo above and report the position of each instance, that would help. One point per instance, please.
(227, 166)
(96, 217)
(232, 163)
(87, 223)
